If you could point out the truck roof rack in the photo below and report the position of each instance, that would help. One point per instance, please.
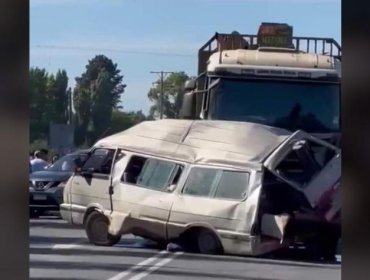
(325, 46)
(232, 41)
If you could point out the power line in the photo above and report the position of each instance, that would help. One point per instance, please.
(161, 73)
(113, 50)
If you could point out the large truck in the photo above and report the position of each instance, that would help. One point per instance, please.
(271, 78)
(275, 79)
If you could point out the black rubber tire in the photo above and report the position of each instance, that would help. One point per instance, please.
(162, 245)
(329, 248)
(322, 248)
(96, 228)
(208, 243)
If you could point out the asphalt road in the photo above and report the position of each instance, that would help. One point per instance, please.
(61, 251)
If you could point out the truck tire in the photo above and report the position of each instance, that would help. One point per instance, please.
(208, 243)
(322, 247)
(96, 228)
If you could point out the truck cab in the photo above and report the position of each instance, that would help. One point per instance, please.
(271, 78)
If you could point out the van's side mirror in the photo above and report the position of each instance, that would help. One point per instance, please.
(187, 110)
(87, 172)
(79, 162)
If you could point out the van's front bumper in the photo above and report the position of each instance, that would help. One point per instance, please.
(72, 213)
(243, 244)
(66, 212)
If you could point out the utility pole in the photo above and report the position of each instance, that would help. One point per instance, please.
(161, 73)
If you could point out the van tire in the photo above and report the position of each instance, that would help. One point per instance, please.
(208, 243)
(96, 228)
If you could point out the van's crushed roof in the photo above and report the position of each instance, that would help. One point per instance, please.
(228, 143)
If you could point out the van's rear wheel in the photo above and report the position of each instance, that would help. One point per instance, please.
(96, 227)
(208, 243)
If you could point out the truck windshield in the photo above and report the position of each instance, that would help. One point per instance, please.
(313, 107)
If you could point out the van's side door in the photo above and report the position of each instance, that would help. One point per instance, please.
(91, 184)
(145, 194)
(313, 167)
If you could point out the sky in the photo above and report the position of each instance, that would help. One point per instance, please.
(157, 35)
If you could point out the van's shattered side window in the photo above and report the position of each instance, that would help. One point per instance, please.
(151, 173)
(156, 174)
(222, 184)
(232, 185)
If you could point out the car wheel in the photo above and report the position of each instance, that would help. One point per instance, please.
(208, 243)
(96, 227)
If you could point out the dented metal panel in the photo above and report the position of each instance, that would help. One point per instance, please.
(234, 144)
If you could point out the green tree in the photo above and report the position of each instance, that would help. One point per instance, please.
(82, 106)
(39, 103)
(48, 101)
(173, 93)
(98, 91)
(124, 120)
(59, 94)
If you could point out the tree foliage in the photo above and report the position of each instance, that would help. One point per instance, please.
(173, 94)
(124, 120)
(48, 101)
(97, 93)
(96, 100)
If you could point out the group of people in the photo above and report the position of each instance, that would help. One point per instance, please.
(39, 160)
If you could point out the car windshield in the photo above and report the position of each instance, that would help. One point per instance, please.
(64, 164)
(313, 107)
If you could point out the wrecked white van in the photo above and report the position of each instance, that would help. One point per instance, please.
(210, 186)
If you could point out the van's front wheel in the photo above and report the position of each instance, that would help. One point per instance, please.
(96, 227)
(208, 243)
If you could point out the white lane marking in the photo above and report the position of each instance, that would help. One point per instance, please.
(57, 246)
(155, 267)
(133, 268)
(66, 246)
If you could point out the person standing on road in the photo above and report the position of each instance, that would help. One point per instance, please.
(38, 163)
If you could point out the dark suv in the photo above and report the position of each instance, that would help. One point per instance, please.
(46, 187)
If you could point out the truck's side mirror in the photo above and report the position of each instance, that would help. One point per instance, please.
(187, 110)
(190, 85)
